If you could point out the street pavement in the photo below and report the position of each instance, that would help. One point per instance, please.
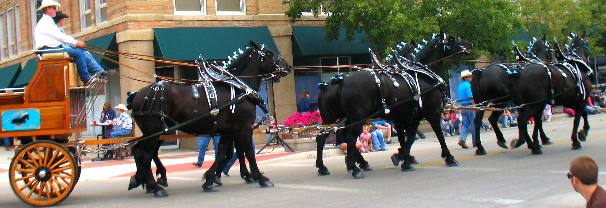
(503, 178)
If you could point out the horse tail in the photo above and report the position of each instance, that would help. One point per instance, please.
(130, 96)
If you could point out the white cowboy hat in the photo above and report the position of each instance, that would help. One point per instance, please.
(47, 3)
(121, 107)
(465, 73)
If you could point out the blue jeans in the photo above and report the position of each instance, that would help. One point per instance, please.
(203, 142)
(85, 63)
(119, 132)
(468, 125)
(235, 157)
(377, 140)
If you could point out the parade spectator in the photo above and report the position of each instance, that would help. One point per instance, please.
(203, 142)
(364, 143)
(455, 119)
(570, 112)
(304, 104)
(378, 141)
(583, 176)
(506, 118)
(123, 124)
(107, 114)
(7, 143)
(590, 108)
(48, 36)
(547, 113)
(465, 99)
(446, 125)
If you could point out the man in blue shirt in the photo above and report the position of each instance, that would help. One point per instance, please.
(465, 99)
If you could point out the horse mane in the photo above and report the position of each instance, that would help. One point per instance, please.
(425, 48)
(239, 58)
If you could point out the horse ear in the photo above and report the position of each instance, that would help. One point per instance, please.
(253, 44)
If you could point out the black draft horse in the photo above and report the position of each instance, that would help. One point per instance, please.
(561, 83)
(357, 97)
(164, 104)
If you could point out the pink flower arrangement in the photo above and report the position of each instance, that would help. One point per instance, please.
(303, 119)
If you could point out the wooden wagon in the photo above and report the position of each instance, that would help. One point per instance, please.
(43, 119)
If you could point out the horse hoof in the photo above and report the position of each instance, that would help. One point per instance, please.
(323, 172)
(395, 160)
(480, 151)
(209, 188)
(366, 167)
(503, 145)
(537, 151)
(160, 193)
(217, 181)
(412, 160)
(513, 143)
(162, 182)
(149, 191)
(577, 146)
(581, 135)
(133, 183)
(249, 180)
(357, 174)
(451, 162)
(406, 167)
(266, 184)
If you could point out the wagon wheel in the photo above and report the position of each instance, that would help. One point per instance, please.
(43, 173)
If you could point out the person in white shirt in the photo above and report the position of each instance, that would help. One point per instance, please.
(91, 64)
(48, 36)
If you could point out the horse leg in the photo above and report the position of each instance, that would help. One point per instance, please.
(582, 135)
(526, 113)
(478, 123)
(396, 158)
(160, 169)
(137, 179)
(245, 144)
(539, 126)
(149, 150)
(411, 131)
(576, 145)
(244, 173)
(350, 161)
(494, 122)
(434, 121)
(320, 142)
(210, 175)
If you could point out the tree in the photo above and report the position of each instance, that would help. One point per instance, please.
(488, 24)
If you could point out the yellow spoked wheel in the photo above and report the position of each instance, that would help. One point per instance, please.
(43, 173)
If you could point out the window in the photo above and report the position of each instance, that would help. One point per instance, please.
(85, 14)
(34, 17)
(231, 7)
(10, 32)
(100, 11)
(190, 7)
(334, 61)
(18, 28)
(2, 44)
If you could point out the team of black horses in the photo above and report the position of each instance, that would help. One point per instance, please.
(404, 88)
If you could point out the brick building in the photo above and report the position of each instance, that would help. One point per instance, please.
(177, 30)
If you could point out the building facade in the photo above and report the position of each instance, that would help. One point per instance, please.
(177, 30)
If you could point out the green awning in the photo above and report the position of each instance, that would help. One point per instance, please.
(214, 43)
(311, 41)
(27, 73)
(106, 42)
(8, 75)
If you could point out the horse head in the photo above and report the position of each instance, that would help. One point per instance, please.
(440, 47)
(258, 60)
(539, 49)
(577, 46)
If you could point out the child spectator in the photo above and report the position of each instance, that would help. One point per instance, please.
(364, 143)
(547, 114)
(446, 124)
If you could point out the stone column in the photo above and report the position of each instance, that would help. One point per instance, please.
(137, 42)
(284, 99)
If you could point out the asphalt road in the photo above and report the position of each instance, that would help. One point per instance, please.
(503, 178)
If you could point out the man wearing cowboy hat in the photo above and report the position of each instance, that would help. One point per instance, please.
(123, 124)
(92, 65)
(466, 98)
(48, 36)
